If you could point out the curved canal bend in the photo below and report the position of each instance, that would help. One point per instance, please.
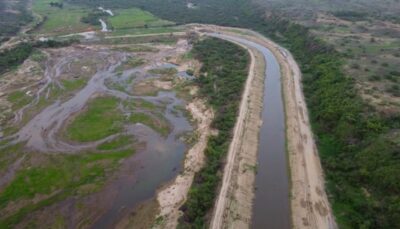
(271, 206)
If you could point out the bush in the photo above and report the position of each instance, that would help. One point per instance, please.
(11, 58)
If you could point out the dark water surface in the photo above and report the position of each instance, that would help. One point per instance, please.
(271, 208)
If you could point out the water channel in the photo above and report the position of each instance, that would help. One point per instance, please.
(271, 206)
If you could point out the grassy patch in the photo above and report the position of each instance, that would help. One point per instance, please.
(133, 18)
(162, 39)
(38, 55)
(60, 20)
(158, 124)
(72, 85)
(9, 154)
(101, 119)
(117, 143)
(58, 177)
(19, 99)
(164, 71)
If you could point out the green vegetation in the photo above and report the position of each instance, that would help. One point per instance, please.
(350, 15)
(74, 84)
(19, 99)
(11, 58)
(117, 143)
(58, 177)
(158, 124)
(135, 18)
(164, 71)
(163, 39)
(93, 17)
(38, 56)
(224, 72)
(60, 20)
(101, 119)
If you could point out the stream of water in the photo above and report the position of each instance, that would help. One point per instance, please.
(103, 26)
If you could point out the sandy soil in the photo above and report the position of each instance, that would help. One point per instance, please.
(309, 203)
(173, 196)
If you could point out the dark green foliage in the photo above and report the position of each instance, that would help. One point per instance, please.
(226, 68)
(56, 4)
(54, 43)
(93, 17)
(351, 15)
(15, 56)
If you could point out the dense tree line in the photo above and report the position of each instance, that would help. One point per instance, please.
(223, 74)
(351, 15)
(56, 4)
(359, 147)
(54, 43)
(13, 57)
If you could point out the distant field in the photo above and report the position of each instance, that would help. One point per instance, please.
(60, 21)
(68, 20)
(134, 18)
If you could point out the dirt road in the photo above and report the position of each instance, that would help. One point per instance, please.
(309, 203)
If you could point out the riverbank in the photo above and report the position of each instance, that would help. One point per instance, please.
(171, 197)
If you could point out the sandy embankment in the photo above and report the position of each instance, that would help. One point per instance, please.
(173, 196)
